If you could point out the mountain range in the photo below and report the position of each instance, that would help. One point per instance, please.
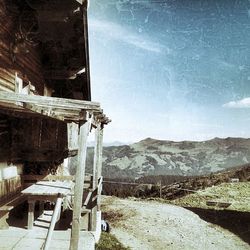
(162, 157)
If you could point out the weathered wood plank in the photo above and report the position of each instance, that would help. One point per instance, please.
(68, 110)
(49, 101)
(43, 111)
(49, 188)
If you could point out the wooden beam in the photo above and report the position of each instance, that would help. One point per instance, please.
(47, 101)
(29, 111)
(43, 111)
(67, 110)
(78, 193)
(99, 117)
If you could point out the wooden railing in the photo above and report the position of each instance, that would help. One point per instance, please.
(91, 195)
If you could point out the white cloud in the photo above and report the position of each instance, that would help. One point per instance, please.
(119, 33)
(243, 103)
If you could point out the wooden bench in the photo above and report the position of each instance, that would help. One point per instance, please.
(6, 207)
(10, 196)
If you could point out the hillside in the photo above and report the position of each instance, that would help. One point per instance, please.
(186, 158)
(172, 186)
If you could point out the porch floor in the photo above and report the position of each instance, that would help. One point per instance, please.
(18, 237)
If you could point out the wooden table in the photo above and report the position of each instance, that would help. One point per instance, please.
(45, 191)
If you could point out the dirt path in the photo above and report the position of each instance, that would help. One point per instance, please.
(150, 225)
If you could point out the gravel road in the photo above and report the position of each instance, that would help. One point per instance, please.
(150, 225)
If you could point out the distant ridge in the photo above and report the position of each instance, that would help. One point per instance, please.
(162, 157)
(108, 144)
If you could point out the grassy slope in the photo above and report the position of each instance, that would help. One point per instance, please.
(235, 193)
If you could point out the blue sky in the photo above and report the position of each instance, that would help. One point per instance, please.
(173, 70)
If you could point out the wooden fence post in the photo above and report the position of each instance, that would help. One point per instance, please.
(160, 185)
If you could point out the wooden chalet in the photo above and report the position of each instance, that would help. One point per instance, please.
(46, 112)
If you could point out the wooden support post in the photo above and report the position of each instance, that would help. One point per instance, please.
(96, 171)
(41, 207)
(31, 213)
(72, 136)
(79, 183)
(97, 155)
(54, 219)
(99, 166)
(72, 129)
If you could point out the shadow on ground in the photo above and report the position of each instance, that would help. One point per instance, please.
(18, 217)
(234, 221)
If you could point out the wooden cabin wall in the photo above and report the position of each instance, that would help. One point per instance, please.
(32, 139)
(38, 140)
(16, 55)
(5, 138)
